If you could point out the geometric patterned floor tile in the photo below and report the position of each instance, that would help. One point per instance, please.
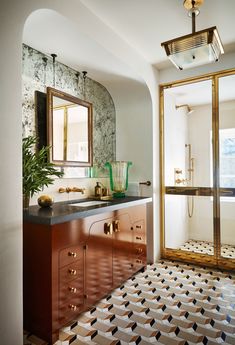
(204, 247)
(170, 303)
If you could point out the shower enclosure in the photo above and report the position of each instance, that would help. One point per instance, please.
(197, 140)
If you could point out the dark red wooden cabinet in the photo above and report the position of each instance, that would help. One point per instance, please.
(70, 266)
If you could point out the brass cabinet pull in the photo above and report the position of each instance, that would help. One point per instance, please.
(138, 226)
(139, 250)
(73, 307)
(72, 289)
(147, 183)
(73, 254)
(116, 227)
(108, 228)
(72, 272)
(138, 238)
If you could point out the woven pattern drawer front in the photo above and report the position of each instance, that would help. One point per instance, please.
(70, 309)
(139, 232)
(70, 255)
(71, 272)
(72, 289)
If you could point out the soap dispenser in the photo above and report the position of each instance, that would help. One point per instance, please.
(98, 190)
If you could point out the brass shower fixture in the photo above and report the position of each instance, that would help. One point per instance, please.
(189, 110)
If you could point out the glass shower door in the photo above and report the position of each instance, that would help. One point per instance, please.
(187, 186)
(226, 88)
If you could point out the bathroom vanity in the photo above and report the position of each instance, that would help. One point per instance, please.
(74, 255)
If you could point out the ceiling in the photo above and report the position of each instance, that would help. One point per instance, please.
(200, 93)
(143, 24)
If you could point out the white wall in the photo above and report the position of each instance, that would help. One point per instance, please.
(176, 136)
(134, 130)
(10, 176)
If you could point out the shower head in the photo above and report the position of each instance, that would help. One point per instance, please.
(189, 110)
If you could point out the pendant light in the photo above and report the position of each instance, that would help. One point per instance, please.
(54, 56)
(84, 73)
(197, 48)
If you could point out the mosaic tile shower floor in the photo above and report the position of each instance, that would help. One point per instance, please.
(170, 303)
(204, 247)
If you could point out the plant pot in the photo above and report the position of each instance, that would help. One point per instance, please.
(26, 199)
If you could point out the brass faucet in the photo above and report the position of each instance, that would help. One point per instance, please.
(73, 189)
(178, 181)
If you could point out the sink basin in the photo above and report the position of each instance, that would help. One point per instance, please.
(89, 203)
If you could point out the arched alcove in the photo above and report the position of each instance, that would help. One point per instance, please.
(14, 15)
(128, 90)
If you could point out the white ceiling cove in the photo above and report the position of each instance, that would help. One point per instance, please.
(142, 24)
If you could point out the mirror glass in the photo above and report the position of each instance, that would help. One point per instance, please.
(69, 121)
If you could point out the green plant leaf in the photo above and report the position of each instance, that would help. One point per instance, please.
(38, 172)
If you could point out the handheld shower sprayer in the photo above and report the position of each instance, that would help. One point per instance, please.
(190, 179)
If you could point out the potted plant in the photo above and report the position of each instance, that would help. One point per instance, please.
(38, 172)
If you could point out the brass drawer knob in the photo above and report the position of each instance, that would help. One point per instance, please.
(138, 226)
(138, 238)
(108, 228)
(73, 254)
(72, 289)
(116, 227)
(139, 250)
(73, 307)
(72, 272)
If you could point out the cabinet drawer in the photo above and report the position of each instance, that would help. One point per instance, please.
(71, 290)
(139, 262)
(139, 238)
(71, 272)
(70, 310)
(70, 255)
(139, 249)
(139, 231)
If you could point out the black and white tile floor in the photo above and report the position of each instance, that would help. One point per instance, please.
(170, 303)
(204, 247)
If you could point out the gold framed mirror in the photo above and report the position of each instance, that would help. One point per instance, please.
(69, 129)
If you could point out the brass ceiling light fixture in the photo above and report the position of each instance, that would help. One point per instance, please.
(197, 48)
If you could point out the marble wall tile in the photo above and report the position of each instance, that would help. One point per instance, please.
(38, 73)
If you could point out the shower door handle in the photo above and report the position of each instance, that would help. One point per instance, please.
(182, 190)
(227, 192)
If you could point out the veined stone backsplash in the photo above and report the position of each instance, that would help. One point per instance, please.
(38, 74)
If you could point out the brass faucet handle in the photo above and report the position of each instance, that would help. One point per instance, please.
(76, 189)
(73, 189)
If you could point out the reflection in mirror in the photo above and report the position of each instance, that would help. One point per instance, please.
(69, 132)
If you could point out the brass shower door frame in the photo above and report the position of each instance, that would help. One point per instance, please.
(215, 260)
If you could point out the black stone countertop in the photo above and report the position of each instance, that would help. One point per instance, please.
(61, 212)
